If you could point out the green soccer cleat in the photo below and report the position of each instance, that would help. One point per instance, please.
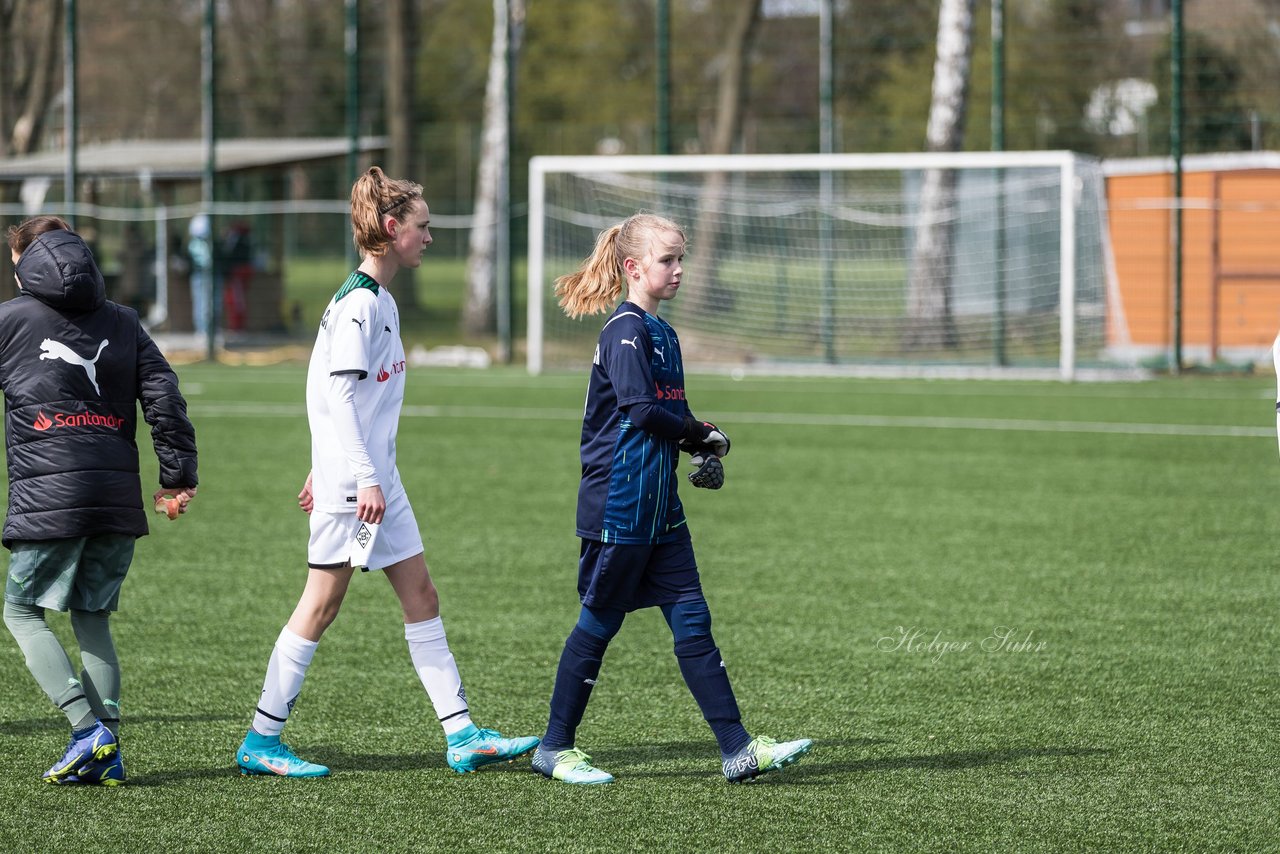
(267, 754)
(97, 742)
(571, 766)
(98, 772)
(483, 747)
(761, 756)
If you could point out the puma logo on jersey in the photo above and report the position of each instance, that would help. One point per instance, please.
(358, 322)
(632, 342)
(57, 350)
(660, 356)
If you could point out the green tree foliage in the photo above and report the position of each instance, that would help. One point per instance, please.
(588, 74)
(1056, 52)
(1214, 115)
(281, 68)
(1058, 55)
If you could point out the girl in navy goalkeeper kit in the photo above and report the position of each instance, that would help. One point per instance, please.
(636, 551)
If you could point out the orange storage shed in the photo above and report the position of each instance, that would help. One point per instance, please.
(1230, 254)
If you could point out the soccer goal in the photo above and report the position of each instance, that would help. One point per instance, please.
(971, 264)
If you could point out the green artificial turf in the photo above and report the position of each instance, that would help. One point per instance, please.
(1011, 616)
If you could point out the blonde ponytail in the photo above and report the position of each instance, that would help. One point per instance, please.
(374, 196)
(601, 280)
(598, 283)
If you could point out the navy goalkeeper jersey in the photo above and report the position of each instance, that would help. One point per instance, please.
(628, 489)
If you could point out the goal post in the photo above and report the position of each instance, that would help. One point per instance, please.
(968, 264)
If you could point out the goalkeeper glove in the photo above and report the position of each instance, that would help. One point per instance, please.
(703, 437)
(710, 473)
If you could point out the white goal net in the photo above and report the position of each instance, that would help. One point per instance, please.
(974, 264)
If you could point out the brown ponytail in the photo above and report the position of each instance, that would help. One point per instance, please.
(373, 197)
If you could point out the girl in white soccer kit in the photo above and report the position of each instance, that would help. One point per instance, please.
(355, 389)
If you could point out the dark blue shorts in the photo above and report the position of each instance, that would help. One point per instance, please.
(627, 577)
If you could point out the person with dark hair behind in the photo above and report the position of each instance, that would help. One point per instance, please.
(74, 367)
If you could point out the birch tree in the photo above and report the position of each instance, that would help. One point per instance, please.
(930, 322)
(479, 308)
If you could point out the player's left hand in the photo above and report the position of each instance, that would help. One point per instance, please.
(370, 504)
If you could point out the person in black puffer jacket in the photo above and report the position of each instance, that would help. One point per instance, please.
(73, 368)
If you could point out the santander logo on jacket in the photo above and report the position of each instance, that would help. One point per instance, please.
(92, 420)
(53, 419)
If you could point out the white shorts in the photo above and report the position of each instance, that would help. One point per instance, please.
(331, 533)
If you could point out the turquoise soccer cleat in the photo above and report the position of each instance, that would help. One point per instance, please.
(98, 772)
(96, 743)
(485, 747)
(761, 756)
(267, 754)
(570, 766)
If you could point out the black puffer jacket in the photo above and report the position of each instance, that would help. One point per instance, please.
(73, 368)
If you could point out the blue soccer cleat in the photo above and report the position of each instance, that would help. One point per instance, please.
(267, 754)
(485, 747)
(571, 766)
(96, 743)
(761, 756)
(98, 772)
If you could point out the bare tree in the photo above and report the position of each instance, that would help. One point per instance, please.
(478, 312)
(253, 46)
(30, 33)
(930, 323)
(731, 101)
(30, 36)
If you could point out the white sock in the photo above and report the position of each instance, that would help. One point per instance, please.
(439, 673)
(286, 669)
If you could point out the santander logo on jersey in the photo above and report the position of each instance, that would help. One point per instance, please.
(396, 368)
(76, 419)
(669, 392)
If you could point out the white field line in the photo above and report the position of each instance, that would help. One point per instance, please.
(788, 385)
(798, 419)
